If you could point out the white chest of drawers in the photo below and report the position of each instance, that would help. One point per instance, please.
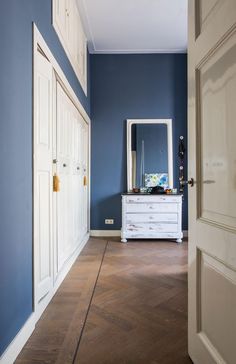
(151, 217)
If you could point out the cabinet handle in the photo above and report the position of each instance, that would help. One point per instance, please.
(64, 165)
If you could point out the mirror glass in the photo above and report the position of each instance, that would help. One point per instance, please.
(149, 165)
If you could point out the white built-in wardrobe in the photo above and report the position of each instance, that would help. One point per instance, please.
(61, 149)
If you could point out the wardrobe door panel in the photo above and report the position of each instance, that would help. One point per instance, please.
(72, 200)
(63, 171)
(68, 25)
(60, 17)
(85, 178)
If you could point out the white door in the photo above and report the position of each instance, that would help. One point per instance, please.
(76, 180)
(64, 166)
(212, 163)
(43, 179)
(71, 156)
(84, 178)
(61, 16)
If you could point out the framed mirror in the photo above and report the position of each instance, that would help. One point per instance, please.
(149, 153)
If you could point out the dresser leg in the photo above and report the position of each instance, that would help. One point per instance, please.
(179, 240)
(123, 240)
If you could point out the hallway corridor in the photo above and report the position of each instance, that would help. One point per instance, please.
(120, 304)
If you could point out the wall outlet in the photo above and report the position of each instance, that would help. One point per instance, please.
(109, 221)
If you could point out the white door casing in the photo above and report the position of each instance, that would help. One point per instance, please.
(59, 118)
(43, 180)
(212, 163)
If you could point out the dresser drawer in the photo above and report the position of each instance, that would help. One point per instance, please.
(133, 218)
(151, 207)
(153, 199)
(152, 228)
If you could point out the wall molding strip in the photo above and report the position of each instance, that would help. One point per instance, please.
(115, 233)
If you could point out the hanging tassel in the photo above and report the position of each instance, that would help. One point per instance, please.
(85, 181)
(56, 183)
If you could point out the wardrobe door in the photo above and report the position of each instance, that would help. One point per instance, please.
(85, 178)
(64, 167)
(76, 172)
(72, 33)
(61, 17)
(69, 28)
(43, 179)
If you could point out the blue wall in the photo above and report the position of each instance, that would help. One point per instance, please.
(133, 87)
(16, 17)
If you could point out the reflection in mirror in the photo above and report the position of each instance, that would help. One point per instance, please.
(149, 154)
(149, 144)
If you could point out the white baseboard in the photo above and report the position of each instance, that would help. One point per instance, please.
(68, 264)
(15, 347)
(110, 233)
(59, 279)
(13, 350)
(105, 233)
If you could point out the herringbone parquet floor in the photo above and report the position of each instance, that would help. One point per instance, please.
(120, 304)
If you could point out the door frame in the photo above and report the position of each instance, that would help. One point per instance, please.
(58, 76)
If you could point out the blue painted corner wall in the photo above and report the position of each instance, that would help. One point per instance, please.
(130, 87)
(16, 17)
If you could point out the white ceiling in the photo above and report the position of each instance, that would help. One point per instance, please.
(135, 26)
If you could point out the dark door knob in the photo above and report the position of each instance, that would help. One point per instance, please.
(190, 182)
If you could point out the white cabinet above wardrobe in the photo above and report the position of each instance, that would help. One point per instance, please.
(68, 26)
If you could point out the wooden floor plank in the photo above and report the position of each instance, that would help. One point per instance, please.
(56, 336)
(138, 311)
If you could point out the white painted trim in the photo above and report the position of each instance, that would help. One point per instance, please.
(12, 351)
(105, 233)
(168, 122)
(92, 50)
(110, 233)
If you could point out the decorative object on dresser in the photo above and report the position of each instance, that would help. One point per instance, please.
(151, 217)
(181, 154)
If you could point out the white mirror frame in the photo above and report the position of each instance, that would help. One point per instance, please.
(168, 123)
